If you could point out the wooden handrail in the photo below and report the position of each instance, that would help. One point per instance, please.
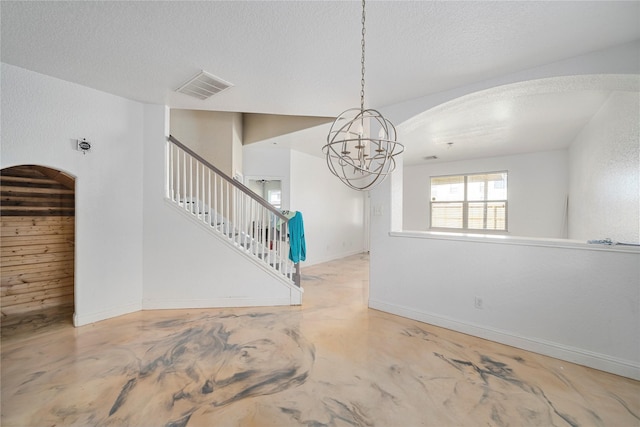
(233, 182)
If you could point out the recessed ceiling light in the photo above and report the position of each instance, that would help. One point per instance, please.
(430, 157)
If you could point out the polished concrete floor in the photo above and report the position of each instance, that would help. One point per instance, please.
(331, 362)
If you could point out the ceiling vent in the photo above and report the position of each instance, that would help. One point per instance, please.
(203, 85)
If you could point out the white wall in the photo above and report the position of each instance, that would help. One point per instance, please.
(214, 135)
(605, 173)
(538, 185)
(236, 146)
(184, 265)
(332, 213)
(41, 116)
(568, 300)
(269, 163)
(132, 248)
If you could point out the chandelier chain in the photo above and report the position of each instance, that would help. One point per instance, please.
(362, 61)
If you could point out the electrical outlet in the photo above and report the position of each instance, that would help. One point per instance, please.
(478, 303)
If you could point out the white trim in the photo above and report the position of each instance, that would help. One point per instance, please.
(85, 319)
(514, 240)
(331, 257)
(171, 303)
(588, 358)
(295, 297)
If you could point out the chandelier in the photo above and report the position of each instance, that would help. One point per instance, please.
(353, 155)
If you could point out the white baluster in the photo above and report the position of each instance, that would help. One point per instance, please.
(176, 173)
(190, 183)
(238, 211)
(184, 180)
(173, 173)
(209, 196)
(226, 220)
(167, 168)
(178, 176)
(203, 193)
(263, 232)
(216, 209)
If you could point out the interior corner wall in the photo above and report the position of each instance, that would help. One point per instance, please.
(236, 145)
(605, 173)
(269, 163)
(211, 134)
(537, 201)
(41, 118)
(332, 213)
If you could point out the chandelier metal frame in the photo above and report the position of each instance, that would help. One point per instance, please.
(353, 155)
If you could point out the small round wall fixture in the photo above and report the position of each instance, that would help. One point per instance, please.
(83, 145)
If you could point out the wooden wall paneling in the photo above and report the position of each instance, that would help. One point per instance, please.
(37, 235)
(19, 274)
(36, 190)
(36, 249)
(37, 273)
(26, 287)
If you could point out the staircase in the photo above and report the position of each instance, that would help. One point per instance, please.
(230, 210)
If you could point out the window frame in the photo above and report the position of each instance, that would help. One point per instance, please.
(465, 205)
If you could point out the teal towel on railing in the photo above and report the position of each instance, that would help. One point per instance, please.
(297, 245)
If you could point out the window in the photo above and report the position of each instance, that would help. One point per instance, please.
(469, 202)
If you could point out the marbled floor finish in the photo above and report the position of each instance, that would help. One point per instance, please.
(331, 362)
(28, 323)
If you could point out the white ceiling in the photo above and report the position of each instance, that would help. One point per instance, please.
(303, 57)
(537, 115)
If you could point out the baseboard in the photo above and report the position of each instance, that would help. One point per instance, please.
(588, 358)
(167, 304)
(331, 257)
(85, 319)
(295, 298)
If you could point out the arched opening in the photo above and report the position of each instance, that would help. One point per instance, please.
(570, 144)
(37, 248)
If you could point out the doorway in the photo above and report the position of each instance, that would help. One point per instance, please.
(269, 189)
(37, 248)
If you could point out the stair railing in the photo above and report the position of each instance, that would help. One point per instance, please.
(230, 208)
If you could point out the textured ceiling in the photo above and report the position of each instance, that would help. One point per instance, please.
(538, 115)
(301, 57)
